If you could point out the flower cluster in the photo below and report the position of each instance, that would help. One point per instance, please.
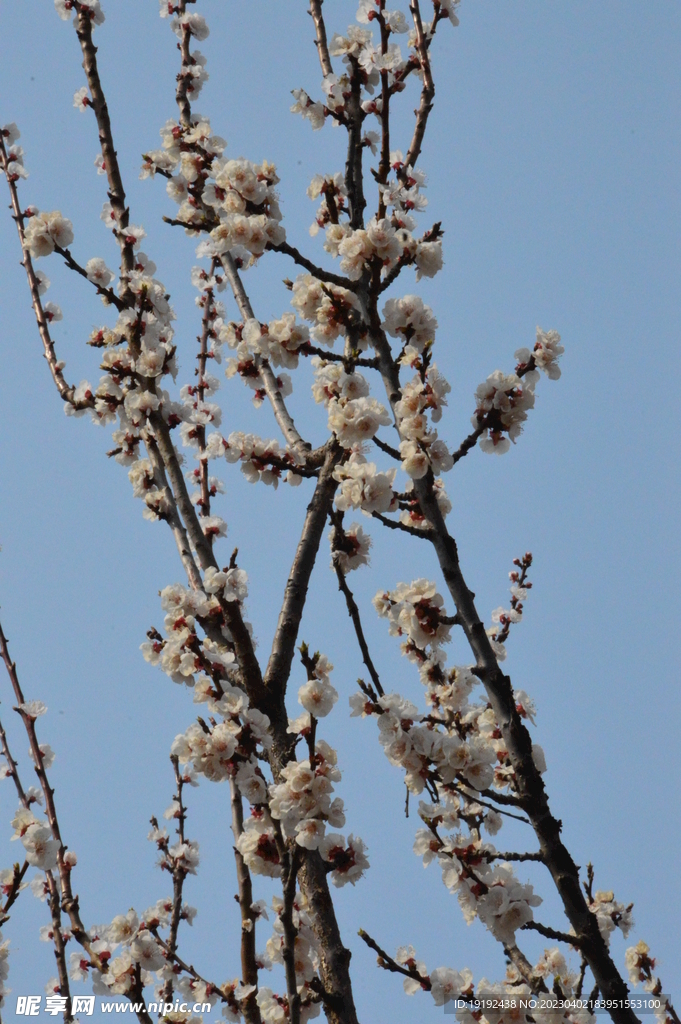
(502, 405)
(452, 753)
(410, 320)
(545, 355)
(182, 654)
(420, 448)
(36, 837)
(354, 416)
(261, 460)
(363, 487)
(46, 230)
(503, 401)
(279, 341)
(332, 310)
(137, 951)
(302, 801)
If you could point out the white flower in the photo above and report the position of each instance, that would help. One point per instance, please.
(351, 549)
(81, 100)
(145, 951)
(41, 848)
(33, 708)
(356, 420)
(450, 7)
(318, 697)
(45, 230)
(448, 984)
(195, 23)
(98, 272)
(349, 862)
(123, 928)
(428, 259)
(310, 832)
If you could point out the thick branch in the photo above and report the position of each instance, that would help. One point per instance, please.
(249, 968)
(334, 957)
(290, 933)
(279, 666)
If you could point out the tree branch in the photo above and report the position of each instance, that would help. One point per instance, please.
(117, 198)
(388, 964)
(421, 534)
(318, 272)
(65, 390)
(281, 413)
(353, 612)
(249, 968)
(108, 293)
(283, 646)
(551, 933)
(322, 45)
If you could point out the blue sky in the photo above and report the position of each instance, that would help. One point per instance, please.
(552, 159)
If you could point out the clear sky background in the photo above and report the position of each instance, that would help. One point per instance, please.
(553, 159)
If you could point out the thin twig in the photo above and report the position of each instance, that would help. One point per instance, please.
(393, 525)
(551, 933)
(318, 272)
(108, 293)
(65, 390)
(387, 962)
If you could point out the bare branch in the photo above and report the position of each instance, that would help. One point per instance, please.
(318, 272)
(388, 964)
(387, 448)
(108, 293)
(117, 198)
(353, 610)
(283, 646)
(393, 525)
(427, 92)
(551, 933)
(322, 45)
